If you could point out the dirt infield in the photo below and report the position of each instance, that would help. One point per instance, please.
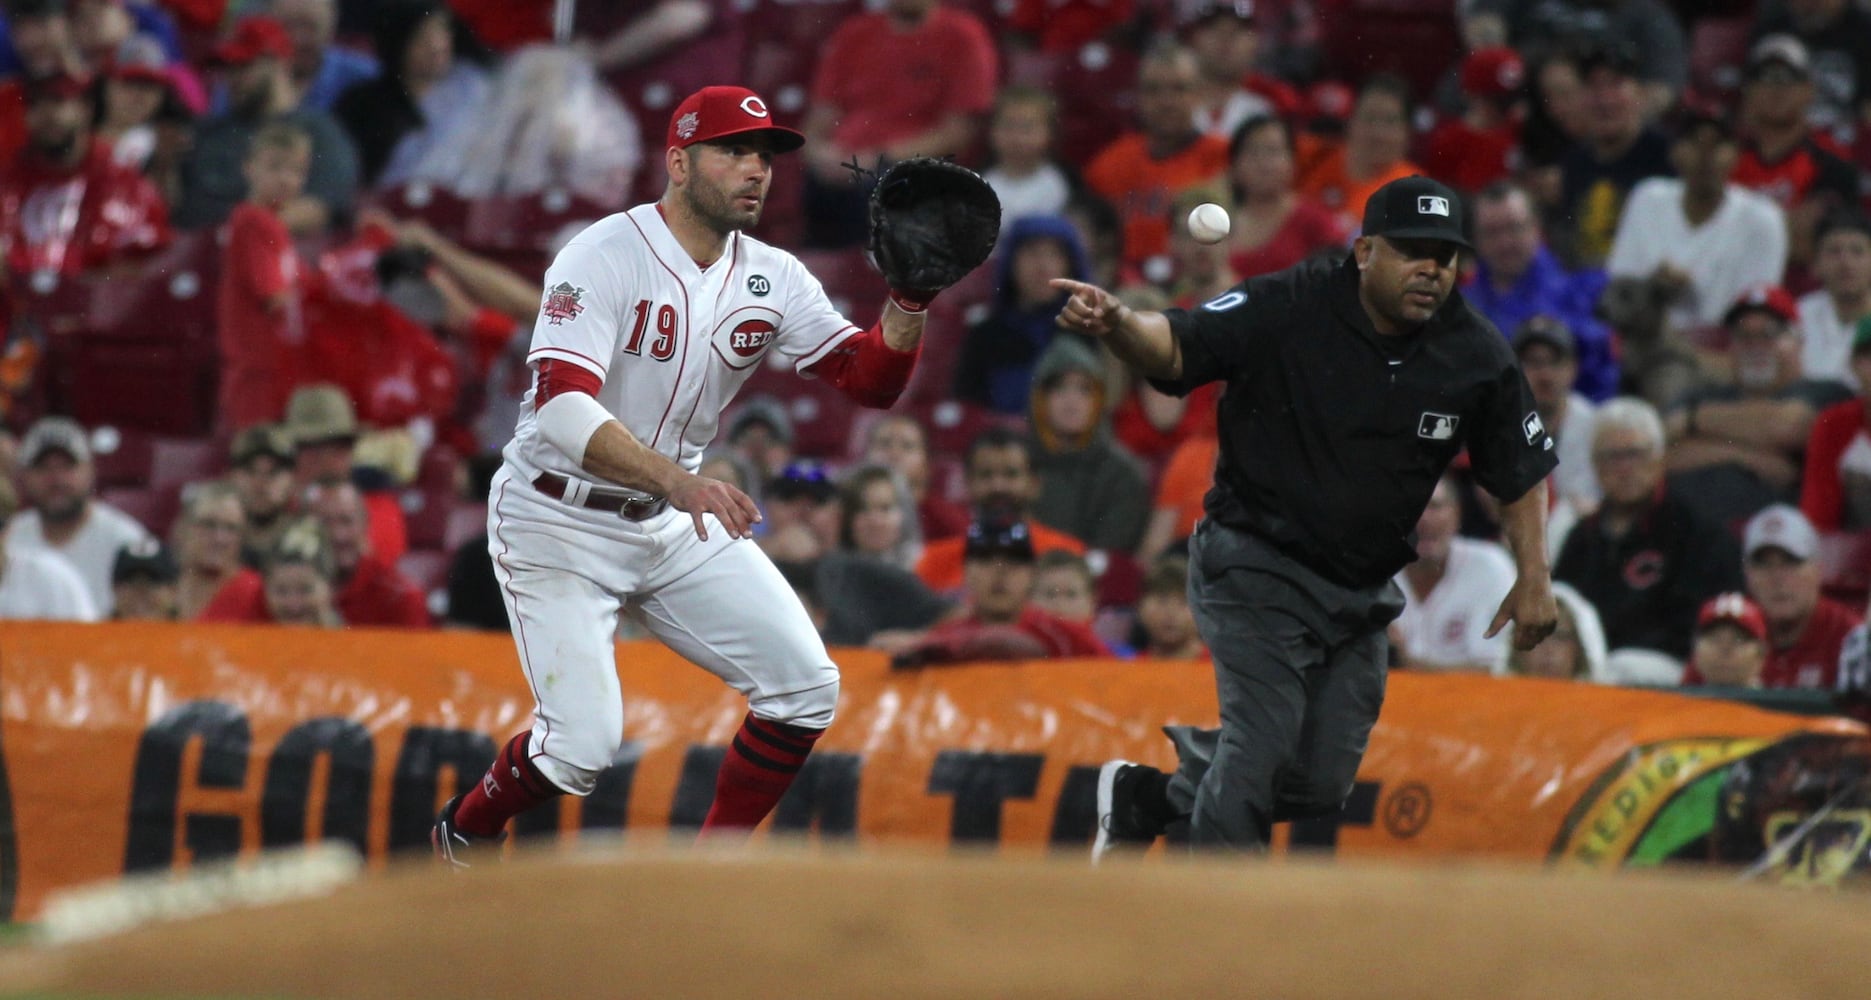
(677, 926)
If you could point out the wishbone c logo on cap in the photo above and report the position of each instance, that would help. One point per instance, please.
(753, 105)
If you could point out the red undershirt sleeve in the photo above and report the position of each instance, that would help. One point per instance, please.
(868, 370)
(557, 378)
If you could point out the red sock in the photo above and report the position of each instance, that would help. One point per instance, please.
(761, 764)
(510, 787)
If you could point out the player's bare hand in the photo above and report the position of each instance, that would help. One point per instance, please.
(1530, 606)
(1090, 310)
(698, 496)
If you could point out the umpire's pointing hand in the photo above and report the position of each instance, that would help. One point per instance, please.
(697, 496)
(1530, 606)
(1091, 310)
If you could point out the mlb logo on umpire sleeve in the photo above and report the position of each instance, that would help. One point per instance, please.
(1437, 426)
(1432, 204)
(1533, 427)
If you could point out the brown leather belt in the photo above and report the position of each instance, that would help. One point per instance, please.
(630, 508)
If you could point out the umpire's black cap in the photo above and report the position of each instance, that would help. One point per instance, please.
(1416, 208)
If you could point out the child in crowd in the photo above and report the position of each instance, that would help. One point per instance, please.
(261, 328)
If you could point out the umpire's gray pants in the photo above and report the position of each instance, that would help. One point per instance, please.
(1300, 664)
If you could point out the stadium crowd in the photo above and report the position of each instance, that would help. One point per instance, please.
(271, 267)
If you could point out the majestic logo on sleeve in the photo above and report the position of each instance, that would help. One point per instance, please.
(686, 125)
(1437, 426)
(562, 303)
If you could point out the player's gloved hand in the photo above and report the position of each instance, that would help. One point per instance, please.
(931, 222)
(698, 496)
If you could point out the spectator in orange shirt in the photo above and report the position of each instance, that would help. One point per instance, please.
(260, 310)
(1143, 171)
(1377, 140)
(371, 591)
(999, 476)
(1002, 623)
(913, 79)
(1480, 147)
(1185, 481)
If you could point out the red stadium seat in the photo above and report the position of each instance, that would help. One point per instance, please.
(426, 568)
(1097, 91)
(151, 385)
(951, 425)
(528, 223)
(123, 459)
(1845, 565)
(855, 288)
(180, 461)
(1120, 577)
(444, 211)
(1414, 39)
(426, 516)
(1718, 47)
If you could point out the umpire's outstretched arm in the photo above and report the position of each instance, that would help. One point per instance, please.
(1141, 340)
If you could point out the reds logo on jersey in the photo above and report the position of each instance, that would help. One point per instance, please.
(562, 303)
(751, 337)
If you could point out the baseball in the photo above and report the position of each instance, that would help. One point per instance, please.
(1208, 223)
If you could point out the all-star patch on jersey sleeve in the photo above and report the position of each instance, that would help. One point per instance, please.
(579, 313)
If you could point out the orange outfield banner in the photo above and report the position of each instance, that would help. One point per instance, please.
(128, 747)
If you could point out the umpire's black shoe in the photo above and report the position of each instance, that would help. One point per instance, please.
(1122, 822)
(457, 849)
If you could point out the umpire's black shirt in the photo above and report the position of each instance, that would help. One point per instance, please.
(1332, 434)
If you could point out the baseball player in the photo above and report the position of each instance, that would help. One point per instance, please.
(652, 319)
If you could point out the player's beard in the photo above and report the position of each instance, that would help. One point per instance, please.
(716, 208)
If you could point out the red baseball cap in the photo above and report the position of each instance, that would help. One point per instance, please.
(1330, 100)
(253, 38)
(1495, 71)
(58, 86)
(1771, 299)
(716, 112)
(1733, 607)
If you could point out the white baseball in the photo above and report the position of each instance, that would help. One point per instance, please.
(1208, 223)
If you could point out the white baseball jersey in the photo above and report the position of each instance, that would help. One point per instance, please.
(1446, 624)
(672, 342)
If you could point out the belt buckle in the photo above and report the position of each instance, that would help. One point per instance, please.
(638, 508)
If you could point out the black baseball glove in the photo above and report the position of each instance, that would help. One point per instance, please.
(932, 222)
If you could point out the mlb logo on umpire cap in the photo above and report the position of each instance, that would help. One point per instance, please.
(1432, 204)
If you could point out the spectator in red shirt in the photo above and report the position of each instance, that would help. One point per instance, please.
(1805, 630)
(1731, 643)
(65, 206)
(1835, 491)
(1274, 228)
(41, 36)
(207, 547)
(913, 79)
(322, 425)
(1065, 25)
(1001, 623)
(260, 308)
(898, 442)
(1142, 171)
(294, 589)
(1482, 146)
(370, 590)
(1222, 35)
(1780, 156)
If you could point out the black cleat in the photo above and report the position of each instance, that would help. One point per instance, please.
(1121, 824)
(457, 849)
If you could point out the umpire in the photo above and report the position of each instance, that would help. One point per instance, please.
(1351, 385)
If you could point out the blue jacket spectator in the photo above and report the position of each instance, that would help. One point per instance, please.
(1519, 277)
(997, 359)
